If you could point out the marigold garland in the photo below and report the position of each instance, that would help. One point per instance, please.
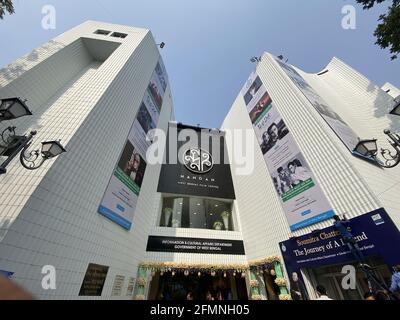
(285, 297)
(141, 281)
(265, 261)
(168, 266)
(254, 283)
(281, 282)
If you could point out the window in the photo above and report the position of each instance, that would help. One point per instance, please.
(119, 35)
(190, 212)
(103, 32)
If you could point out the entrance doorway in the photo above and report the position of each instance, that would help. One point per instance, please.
(331, 278)
(168, 287)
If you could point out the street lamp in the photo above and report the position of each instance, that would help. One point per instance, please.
(50, 149)
(281, 57)
(389, 158)
(30, 160)
(11, 144)
(367, 148)
(13, 108)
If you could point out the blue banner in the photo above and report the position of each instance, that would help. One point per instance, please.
(375, 232)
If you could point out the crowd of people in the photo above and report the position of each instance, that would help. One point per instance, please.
(299, 293)
(210, 294)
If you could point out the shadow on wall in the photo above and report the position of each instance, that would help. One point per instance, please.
(51, 82)
(4, 226)
(383, 104)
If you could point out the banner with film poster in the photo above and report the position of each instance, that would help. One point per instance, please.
(337, 124)
(120, 198)
(302, 199)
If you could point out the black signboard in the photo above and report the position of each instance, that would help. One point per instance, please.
(195, 245)
(197, 168)
(94, 279)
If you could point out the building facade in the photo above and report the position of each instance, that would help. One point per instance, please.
(113, 224)
(319, 117)
(86, 87)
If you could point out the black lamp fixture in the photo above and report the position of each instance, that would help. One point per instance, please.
(161, 45)
(11, 144)
(13, 108)
(367, 148)
(51, 149)
(389, 158)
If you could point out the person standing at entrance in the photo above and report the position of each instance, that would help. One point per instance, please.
(297, 289)
(321, 292)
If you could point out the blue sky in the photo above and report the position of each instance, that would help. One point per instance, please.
(209, 43)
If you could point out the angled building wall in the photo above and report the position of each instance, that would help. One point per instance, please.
(352, 185)
(85, 89)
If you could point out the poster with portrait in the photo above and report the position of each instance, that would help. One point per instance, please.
(340, 127)
(162, 74)
(121, 195)
(302, 199)
(156, 90)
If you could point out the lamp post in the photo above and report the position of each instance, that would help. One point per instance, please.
(369, 148)
(11, 144)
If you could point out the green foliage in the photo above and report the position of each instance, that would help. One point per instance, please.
(387, 32)
(6, 6)
(368, 4)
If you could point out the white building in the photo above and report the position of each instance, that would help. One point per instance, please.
(84, 87)
(351, 184)
(114, 228)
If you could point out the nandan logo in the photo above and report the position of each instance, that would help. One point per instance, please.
(197, 160)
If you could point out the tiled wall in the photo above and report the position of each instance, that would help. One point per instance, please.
(49, 216)
(352, 186)
(367, 107)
